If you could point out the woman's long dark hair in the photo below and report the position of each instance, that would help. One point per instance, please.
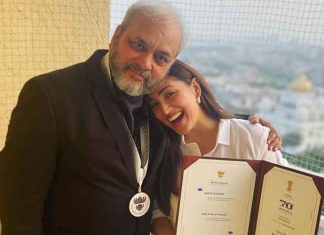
(183, 72)
(169, 170)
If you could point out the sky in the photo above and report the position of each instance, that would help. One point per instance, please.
(209, 22)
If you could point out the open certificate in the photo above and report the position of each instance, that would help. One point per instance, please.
(247, 197)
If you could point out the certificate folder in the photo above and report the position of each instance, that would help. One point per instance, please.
(247, 197)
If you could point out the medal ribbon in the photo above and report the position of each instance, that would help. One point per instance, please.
(140, 164)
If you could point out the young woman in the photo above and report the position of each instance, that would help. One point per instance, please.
(197, 125)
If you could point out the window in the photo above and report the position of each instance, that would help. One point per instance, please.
(273, 52)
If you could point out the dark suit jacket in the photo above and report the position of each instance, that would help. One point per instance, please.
(67, 165)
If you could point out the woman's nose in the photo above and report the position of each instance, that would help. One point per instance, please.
(165, 108)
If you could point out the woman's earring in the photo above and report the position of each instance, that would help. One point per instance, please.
(198, 100)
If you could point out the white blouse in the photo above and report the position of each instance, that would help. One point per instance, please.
(238, 139)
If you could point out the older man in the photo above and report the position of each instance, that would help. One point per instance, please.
(70, 164)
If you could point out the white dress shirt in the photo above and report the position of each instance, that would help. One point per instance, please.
(238, 139)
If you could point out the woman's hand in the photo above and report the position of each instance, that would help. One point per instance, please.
(162, 226)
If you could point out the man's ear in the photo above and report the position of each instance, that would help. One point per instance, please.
(196, 86)
(115, 36)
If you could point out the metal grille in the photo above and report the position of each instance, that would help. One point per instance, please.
(271, 43)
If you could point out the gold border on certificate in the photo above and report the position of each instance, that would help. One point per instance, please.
(289, 204)
(216, 198)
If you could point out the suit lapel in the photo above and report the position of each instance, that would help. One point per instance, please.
(156, 156)
(111, 114)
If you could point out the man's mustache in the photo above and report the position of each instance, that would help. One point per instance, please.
(145, 74)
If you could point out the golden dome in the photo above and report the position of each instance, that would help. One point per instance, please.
(301, 84)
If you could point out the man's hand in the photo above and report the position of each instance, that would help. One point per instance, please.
(274, 140)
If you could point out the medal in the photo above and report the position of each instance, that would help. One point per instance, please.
(139, 204)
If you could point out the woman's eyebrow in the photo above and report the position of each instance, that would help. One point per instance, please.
(163, 89)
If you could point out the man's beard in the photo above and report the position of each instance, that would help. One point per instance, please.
(128, 84)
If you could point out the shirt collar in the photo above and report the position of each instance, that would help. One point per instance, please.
(224, 134)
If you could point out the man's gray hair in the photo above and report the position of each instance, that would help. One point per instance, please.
(155, 10)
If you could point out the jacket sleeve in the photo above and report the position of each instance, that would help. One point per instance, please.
(27, 162)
